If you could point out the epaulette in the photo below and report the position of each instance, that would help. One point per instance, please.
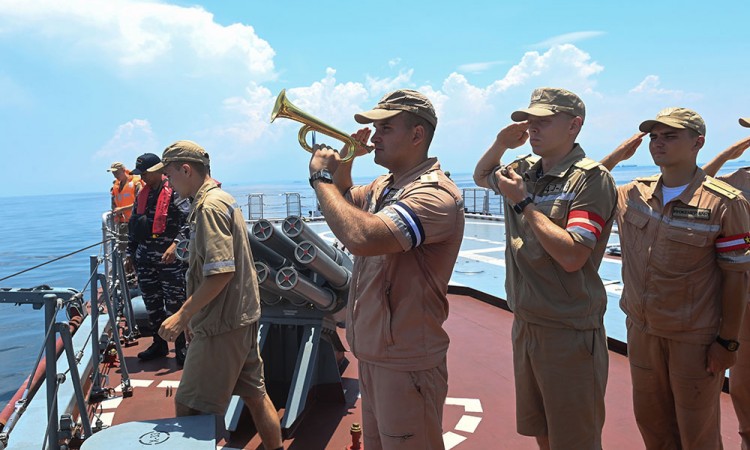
(721, 188)
(430, 177)
(586, 164)
(649, 179)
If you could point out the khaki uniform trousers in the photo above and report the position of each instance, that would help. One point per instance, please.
(676, 402)
(739, 381)
(403, 410)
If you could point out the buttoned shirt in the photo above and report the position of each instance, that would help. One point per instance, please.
(577, 195)
(398, 302)
(673, 255)
(219, 244)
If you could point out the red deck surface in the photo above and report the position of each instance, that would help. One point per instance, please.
(480, 368)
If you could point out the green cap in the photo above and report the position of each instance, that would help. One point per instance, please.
(745, 122)
(397, 101)
(548, 101)
(182, 151)
(116, 166)
(680, 118)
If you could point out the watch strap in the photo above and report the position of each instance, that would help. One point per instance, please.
(729, 344)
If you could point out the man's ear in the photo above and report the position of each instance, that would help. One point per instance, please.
(418, 135)
(699, 142)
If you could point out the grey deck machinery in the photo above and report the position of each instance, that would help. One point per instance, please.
(304, 286)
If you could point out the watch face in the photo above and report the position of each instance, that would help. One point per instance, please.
(733, 346)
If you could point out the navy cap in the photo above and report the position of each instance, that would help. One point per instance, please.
(145, 162)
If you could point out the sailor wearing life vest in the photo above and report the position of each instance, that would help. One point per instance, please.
(156, 225)
(124, 189)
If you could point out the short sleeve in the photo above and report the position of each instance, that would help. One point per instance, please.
(592, 208)
(733, 243)
(214, 234)
(425, 215)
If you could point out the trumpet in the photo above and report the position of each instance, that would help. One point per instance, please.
(284, 108)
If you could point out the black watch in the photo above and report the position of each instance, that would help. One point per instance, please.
(730, 345)
(323, 176)
(519, 207)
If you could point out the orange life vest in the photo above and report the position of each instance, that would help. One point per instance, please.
(125, 197)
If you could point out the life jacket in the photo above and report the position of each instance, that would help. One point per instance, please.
(125, 196)
(162, 206)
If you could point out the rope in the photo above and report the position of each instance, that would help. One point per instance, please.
(52, 260)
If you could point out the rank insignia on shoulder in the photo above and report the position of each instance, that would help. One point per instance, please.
(721, 188)
(431, 177)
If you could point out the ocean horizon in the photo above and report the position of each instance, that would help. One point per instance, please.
(38, 228)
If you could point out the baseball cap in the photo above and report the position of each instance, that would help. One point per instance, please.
(397, 101)
(145, 162)
(182, 151)
(681, 118)
(745, 122)
(116, 166)
(547, 101)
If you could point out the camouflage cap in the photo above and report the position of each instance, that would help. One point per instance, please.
(116, 166)
(745, 122)
(182, 151)
(680, 118)
(397, 101)
(548, 101)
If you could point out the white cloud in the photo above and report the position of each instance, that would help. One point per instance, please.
(130, 140)
(394, 62)
(380, 86)
(567, 38)
(138, 33)
(478, 67)
(650, 86)
(562, 65)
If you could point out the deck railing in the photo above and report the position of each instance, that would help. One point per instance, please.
(279, 206)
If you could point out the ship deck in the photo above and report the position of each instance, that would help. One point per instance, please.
(480, 409)
(479, 412)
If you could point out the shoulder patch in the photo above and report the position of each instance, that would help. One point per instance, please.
(586, 164)
(431, 177)
(721, 188)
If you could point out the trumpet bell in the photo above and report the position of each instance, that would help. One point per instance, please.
(286, 109)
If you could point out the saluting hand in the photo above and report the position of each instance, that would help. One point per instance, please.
(514, 135)
(736, 150)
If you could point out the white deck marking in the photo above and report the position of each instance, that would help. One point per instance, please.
(489, 241)
(169, 383)
(451, 439)
(135, 384)
(468, 424)
(475, 256)
(221, 447)
(469, 404)
(111, 403)
(107, 418)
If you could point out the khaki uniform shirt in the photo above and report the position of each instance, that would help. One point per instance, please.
(219, 244)
(740, 179)
(673, 256)
(578, 195)
(398, 302)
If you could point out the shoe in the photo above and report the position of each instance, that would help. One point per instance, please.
(158, 349)
(180, 350)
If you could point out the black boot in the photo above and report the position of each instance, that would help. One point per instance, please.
(180, 349)
(158, 349)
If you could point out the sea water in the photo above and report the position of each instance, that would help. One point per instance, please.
(37, 229)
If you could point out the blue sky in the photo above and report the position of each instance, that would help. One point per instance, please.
(84, 83)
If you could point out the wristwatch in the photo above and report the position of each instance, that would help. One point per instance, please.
(323, 176)
(519, 207)
(728, 344)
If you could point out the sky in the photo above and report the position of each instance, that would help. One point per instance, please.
(84, 83)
